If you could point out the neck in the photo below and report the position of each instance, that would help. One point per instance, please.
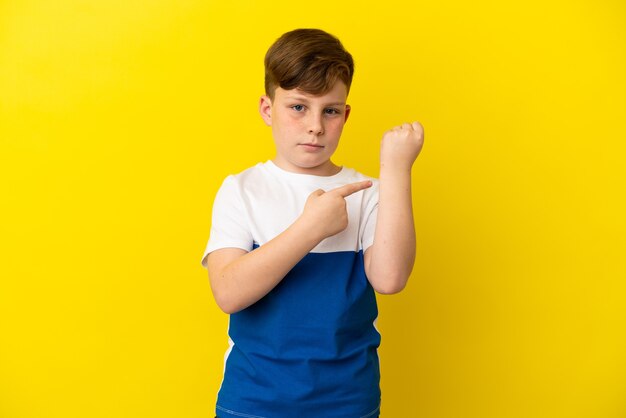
(326, 169)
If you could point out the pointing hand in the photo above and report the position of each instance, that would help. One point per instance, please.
(325, 212)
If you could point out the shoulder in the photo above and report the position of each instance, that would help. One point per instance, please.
(355, 175)
(246, 178)
(248, 174)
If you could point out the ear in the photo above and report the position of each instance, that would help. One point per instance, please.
(265, 109)
(347, 113)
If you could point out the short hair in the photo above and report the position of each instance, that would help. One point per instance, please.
(309, 59)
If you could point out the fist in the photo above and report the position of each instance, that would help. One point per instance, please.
(401, 145)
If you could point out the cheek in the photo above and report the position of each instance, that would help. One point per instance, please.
(336, 125)
(289, 123)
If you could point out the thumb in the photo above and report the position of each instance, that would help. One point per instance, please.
(317, 192)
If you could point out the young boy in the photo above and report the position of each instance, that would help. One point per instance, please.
(299, 245)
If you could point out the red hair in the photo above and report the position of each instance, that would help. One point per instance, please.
(309, 59)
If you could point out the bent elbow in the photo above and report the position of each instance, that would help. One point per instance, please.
(224, 297)
(389, 278)
(229, 309)
(225, 300)
(390, 285)
(390, 289)
(224, 306)
(228, 305)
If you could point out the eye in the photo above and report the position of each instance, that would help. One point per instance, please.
(331, 111)
(298, 108)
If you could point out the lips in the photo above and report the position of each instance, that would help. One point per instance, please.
(311, 146)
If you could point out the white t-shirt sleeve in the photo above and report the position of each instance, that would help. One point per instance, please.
(370, 215)
(229, 225)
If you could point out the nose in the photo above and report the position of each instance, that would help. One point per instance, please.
(315, 125)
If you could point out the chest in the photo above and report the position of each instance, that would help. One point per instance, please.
(272, 208)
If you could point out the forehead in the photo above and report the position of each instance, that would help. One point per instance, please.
(337, 95)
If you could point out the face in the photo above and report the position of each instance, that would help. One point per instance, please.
(306, 128)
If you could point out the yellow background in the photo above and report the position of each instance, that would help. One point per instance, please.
(119, 120)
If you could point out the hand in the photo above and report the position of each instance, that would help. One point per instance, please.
(401, 145)
(325, 213)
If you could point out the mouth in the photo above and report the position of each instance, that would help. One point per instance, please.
(311, 146)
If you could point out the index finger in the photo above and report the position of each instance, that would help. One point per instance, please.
(348, 189)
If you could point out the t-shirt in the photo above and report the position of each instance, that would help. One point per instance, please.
(307, 349)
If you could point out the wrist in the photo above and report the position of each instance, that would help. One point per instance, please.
(304, 228)
(395, 169)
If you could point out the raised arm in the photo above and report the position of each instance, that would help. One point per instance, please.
(389, 260)
(239, 278)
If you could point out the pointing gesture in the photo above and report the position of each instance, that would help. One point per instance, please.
(325, 212)
(348, 189)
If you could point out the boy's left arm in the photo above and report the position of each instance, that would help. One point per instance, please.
(389, 260)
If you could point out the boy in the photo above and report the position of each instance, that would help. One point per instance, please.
(298, 246)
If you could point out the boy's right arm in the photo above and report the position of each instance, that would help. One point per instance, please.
(239, 278)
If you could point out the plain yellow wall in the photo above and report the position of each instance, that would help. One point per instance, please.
(119, 120)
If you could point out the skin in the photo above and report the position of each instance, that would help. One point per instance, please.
(306, 130)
